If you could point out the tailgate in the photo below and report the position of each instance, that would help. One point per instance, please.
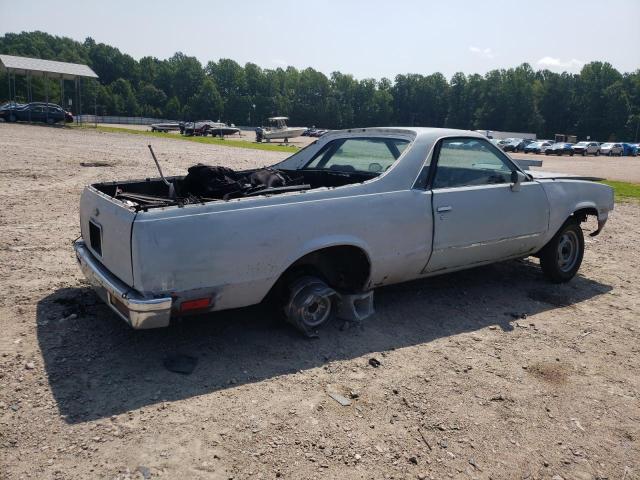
(106, 226)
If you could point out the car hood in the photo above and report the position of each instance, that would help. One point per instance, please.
(539, 175)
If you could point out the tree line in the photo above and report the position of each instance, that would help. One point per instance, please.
(599, 102)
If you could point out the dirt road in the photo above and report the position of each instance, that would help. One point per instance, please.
(489, 373)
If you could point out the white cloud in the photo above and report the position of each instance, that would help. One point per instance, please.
(482, 52)
(557, 64)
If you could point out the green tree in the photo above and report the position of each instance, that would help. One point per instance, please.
(173, 109)
(206, 104)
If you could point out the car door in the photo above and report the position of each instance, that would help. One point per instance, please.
(35, 113)
(477, 216)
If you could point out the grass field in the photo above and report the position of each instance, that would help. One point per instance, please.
(625, 190)
(209, 140)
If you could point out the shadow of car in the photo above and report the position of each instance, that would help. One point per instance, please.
(97, 366)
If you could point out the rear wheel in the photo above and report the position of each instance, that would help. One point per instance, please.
(561, 258)
(307, 303)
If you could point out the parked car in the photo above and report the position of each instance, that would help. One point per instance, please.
(524, 143)
(537, 147)
(587, 148)
(511, 144)
(498, 143)
(318, 133)
(630, 150)
(560, 148)
(35, 112)
(317, 232)
(611, 149)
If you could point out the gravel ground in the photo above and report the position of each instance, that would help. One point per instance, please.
(488, 373)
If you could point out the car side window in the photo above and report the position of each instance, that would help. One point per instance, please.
(468, 162)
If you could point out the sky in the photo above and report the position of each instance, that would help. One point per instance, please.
(369, 39)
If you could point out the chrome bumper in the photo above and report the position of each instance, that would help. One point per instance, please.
(133, 308)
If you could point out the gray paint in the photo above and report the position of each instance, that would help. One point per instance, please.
(236, 250)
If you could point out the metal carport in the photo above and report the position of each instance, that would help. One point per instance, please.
(49, 69)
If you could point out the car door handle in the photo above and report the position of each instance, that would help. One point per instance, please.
(446, 208)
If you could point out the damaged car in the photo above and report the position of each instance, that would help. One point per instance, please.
(315, 234)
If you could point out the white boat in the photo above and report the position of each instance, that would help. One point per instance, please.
(278, 130)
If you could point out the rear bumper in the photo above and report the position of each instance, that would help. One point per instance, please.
(138, 311)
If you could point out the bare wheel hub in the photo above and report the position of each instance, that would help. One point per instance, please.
(310, 303)
(567, 252)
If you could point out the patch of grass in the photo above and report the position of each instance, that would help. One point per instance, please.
(209, 140)
(624, 190)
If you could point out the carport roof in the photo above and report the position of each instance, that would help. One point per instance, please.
(49, 68)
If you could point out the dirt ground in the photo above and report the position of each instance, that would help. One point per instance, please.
(489, 373)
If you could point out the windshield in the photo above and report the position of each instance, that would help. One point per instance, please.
(373, 155)
(606, 145)
(582, 144)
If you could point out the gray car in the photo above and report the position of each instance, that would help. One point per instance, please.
(612, 149)
(587, 148)
(356, 210)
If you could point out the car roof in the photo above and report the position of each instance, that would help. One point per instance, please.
(417, 131)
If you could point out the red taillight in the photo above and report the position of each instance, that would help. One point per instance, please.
(197, 304)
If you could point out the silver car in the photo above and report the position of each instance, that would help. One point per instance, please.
(611, 149)
(587, 148)
(353, 211)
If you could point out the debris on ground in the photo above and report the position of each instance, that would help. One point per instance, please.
(345, 402)
(184, 364)
(374, 362)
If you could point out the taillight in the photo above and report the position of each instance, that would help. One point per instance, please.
(196, 304)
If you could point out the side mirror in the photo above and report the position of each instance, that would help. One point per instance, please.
(517, 177)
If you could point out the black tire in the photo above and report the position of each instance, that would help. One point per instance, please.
(597, 153)
(561, 258)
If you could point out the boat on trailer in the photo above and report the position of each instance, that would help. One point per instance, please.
(278, 130)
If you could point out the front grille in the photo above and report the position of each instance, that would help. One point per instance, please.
(95, 238)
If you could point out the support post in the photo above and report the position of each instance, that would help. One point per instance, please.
(46, 89)
(79, 95)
